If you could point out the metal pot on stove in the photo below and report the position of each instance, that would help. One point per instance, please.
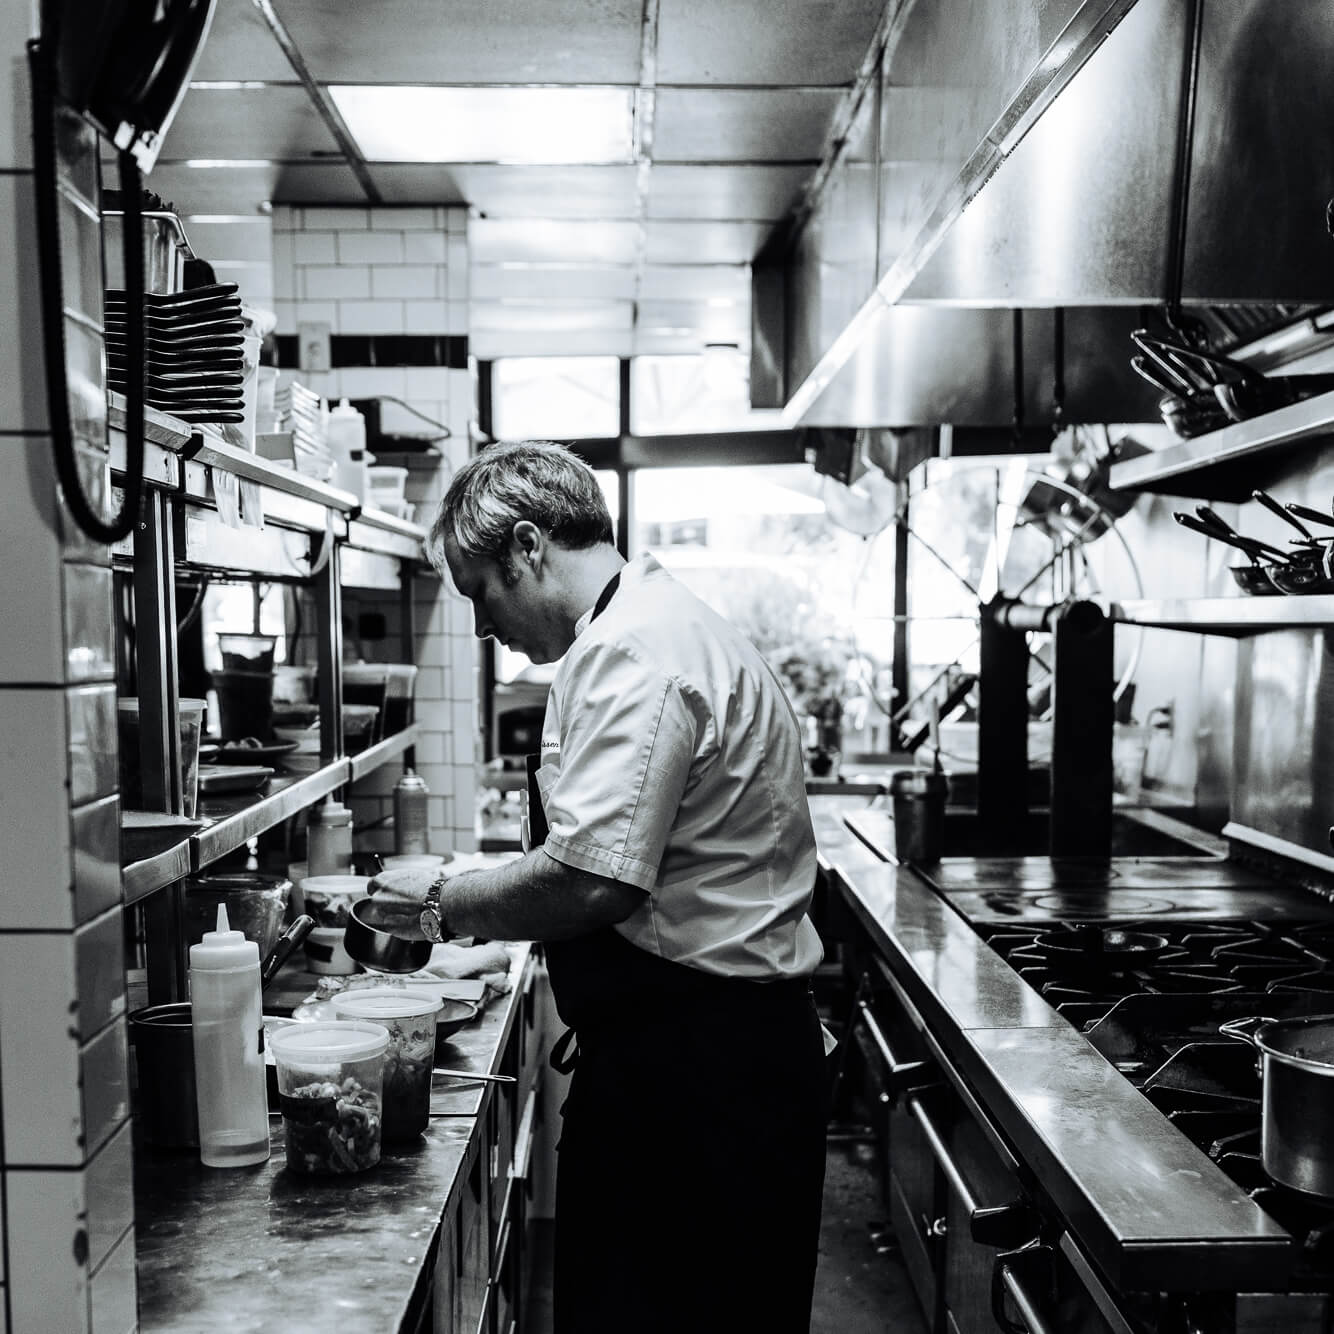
(1297, 1071)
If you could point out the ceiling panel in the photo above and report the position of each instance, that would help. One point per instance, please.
(703, 242)
(764, 41)
(514, 192)
(545, 240)
(684, 282)
(270, 122)
(550, 316)
(742, 125)
(240, 46)
(741, 190)
(545, 282)
(459, 41)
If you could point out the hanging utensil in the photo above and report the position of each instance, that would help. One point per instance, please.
(1310, 515)
(1225, 531)
(1182, 385)
(1141, 367)
(1253, 578)
(1276, 507)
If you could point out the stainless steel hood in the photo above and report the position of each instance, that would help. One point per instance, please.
(1150, 152)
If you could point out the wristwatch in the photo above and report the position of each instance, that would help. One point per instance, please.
(432, 921)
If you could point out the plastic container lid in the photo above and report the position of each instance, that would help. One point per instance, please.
(385, 1003)
(335, 884)
(329, 1042)
(182, 706)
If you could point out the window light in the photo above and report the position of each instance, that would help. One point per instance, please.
(529, 126)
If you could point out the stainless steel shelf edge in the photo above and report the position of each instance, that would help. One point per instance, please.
(371, 759)
(142, 878)
(1227, 616)
(1279, 847)
(232, 831)
(169, 432)
(1273, 430)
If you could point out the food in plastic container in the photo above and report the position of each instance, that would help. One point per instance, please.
(330, 1087)
(410, 1018)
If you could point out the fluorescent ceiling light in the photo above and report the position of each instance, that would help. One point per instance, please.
(511, 125)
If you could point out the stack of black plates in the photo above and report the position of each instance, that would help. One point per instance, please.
(193, 344)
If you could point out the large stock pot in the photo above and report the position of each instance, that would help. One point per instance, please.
(1297, 1068)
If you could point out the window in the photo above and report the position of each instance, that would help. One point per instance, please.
(556, 398)
(708, 393)
(758, 546)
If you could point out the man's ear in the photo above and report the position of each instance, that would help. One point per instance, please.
(529, 543)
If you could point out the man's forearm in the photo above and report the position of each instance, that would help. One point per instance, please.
(533, 898)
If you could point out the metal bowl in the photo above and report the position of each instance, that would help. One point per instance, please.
(381, 950)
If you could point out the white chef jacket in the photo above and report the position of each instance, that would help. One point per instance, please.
(672, 761)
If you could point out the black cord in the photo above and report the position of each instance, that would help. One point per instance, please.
(43, 69)
(446, 433)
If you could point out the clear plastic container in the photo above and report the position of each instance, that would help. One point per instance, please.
(247, 653)
(410, 1018)
(190, 720)
(330, 1090)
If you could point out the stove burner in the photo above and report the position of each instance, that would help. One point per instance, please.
(1080, 905)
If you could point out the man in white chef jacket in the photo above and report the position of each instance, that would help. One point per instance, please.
(669, 878)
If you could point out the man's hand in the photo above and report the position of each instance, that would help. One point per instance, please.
(396, 899)
(404, 888)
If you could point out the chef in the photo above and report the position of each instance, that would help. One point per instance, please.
(669, 878)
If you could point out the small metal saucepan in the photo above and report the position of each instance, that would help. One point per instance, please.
(1297, 1070)
(1108, 948)
(367, 939)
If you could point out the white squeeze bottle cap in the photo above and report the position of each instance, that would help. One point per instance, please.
(223, 948)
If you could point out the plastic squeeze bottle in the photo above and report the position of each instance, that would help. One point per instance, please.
(346, 436)
(230, 1086)
(329, 840)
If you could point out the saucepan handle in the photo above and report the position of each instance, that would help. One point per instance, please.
(1244, 1030)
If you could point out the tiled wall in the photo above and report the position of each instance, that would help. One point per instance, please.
(67, 1240)
(395, 271)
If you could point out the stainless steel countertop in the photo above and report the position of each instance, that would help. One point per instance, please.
(344, 1253)
(1149, 1208)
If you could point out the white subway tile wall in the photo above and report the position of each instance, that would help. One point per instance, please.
(399, 271)
(67, 1249)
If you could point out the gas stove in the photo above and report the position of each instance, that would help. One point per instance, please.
(1156, 1019)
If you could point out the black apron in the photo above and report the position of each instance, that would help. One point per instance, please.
(691, 1160)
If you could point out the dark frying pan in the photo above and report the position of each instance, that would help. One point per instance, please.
(1108, 948)
(1253, 578)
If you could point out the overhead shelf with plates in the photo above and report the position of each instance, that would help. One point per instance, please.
(215, 510)
(1220, 465)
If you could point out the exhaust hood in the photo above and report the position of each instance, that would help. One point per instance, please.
(1159, 152)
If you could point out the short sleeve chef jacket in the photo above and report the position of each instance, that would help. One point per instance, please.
(671, 760)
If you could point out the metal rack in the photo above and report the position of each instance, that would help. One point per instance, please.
(1220, 464)
(211, 507)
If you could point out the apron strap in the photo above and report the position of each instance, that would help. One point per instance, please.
(565, 1052)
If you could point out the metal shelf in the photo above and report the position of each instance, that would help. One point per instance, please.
(369, 760)
(169, 434)
(1227, 616)
(142, 878)
(239, 818)
(1220, 465)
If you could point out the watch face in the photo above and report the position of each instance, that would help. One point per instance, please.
(430, 924)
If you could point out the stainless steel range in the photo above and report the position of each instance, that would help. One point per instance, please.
(1089, 1159)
